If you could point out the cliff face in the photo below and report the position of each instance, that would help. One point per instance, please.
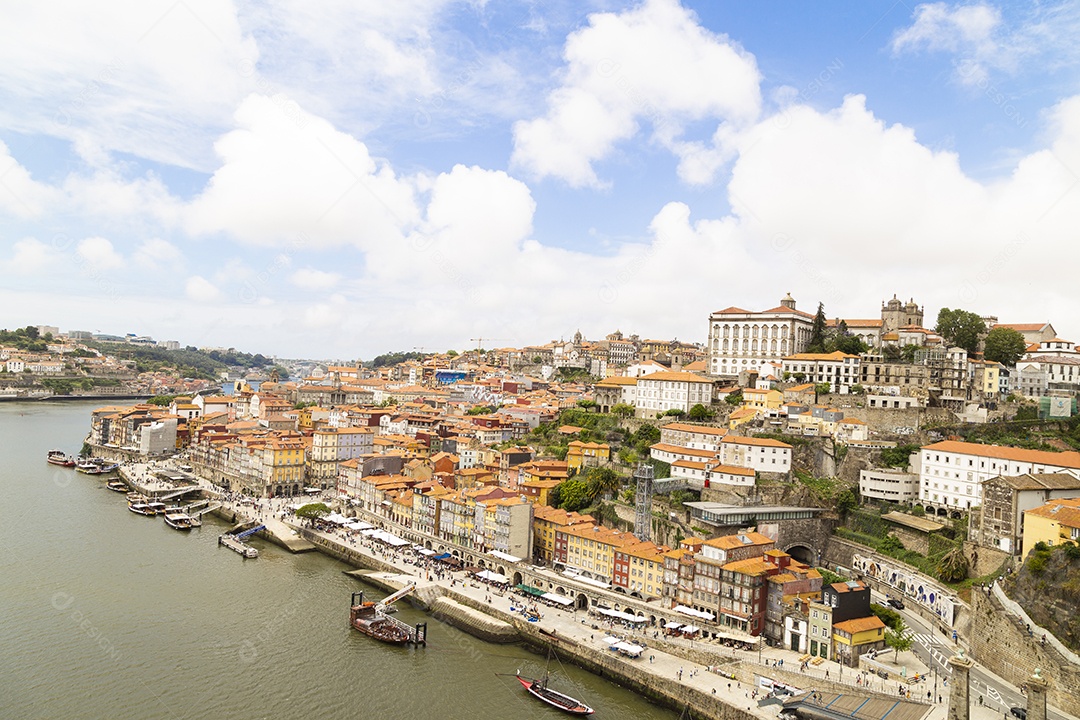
(1048, 588)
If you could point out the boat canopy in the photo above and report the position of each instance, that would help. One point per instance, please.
(558, 599)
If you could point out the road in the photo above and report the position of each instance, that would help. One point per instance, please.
(935, 649)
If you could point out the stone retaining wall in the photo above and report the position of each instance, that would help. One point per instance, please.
(1002, 644)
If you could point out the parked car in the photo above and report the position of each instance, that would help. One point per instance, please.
(1018, 712)
(896, 603)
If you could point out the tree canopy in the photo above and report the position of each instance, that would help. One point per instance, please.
(818, 338)
(899, 639)
(699, 413)
(1004, 345)
(961, 328)
(312, 511)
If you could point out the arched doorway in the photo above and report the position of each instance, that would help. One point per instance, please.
(582, 602)
(518, 578)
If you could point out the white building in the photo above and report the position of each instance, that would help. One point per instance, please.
(838, 369)
(742, 340)
(761, 454)
(953, 472)
(663, 391)
(889, 484)
(696, 437)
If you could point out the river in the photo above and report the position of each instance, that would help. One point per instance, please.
(108, 614)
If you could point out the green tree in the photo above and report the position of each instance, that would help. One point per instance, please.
(162, 400)
(907, 353)
(953, 566)
(480, 410)
(586, 404)
(898, 639)
(700, 413)
(845, 342)
(1004, 345)
(602, 481)
(961, 328)
(818, 338)
(312, 512)
(623, 410)
(822, 388)
(734, 398)
(574, 494)
(845, 502)
(451, 353)
(890, 617)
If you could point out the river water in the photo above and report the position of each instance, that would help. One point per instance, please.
(108, 614)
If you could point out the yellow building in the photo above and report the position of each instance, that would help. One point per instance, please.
(644, 569)
(1054, 523)
(284, 462)
(586, 454)
(852, 638)
(741, 416)
(590, 550)
(762, 399)
(546, 520)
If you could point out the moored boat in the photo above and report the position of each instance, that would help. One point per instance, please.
(368, 619)
(61, 458)
(158, 507)
(237, 545)
(117, 486)
(178, 520)
(540, 690)
(95, 466)
(141, 508)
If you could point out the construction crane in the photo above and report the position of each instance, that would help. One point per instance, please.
(480, 341)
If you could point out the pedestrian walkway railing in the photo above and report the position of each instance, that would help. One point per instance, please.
(1018, 612)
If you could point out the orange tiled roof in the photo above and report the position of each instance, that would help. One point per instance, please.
(1070, 458)
(859, 625)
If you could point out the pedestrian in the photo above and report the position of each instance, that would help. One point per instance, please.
(826, 674)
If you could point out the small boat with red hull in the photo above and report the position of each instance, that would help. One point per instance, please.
(61, 458)
(369, 619)
(539, 689)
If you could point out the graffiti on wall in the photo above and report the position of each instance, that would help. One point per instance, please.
(912, 586)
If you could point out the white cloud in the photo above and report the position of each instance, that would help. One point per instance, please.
(157, 254)
(293, 180)
(154, 78)
(29, 256)
(201, 290)
(654, 65)
(983, 41)
(314, 280)
(98, 254)
(20, 195)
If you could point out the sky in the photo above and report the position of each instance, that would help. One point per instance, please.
(340, 179)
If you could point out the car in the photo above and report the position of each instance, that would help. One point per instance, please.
(1018, 712)
(895, 603)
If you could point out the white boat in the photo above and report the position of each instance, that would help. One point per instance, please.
(237, 546)
(159, 507)
(141, 508)
(178, 520)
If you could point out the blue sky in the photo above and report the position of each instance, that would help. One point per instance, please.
(339, 180)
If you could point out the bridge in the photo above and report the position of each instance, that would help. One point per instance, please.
(171, 494)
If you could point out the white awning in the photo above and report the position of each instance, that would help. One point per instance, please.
(690, 629)
(671, 625)
(359, 526)
(491, 576)
(610, 640)
(336, 519)
(504, 556)
(620, 615)
(694, 613)
(425, 552)
(564, 601)
(629, 648)
(370, 531)
(587, 581)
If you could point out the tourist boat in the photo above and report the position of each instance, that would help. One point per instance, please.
(95, 466)
(366, 618)
(158, 507)
(237, 545)
(178, 520)
(117, 486)
(141, 508)
(61, 458)
(539, 689)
